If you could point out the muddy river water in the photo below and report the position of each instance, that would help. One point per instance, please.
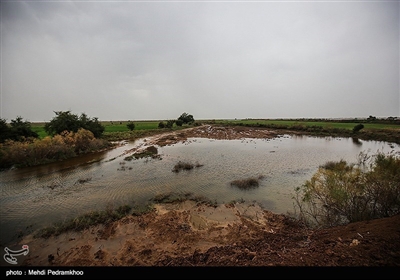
(39, 196)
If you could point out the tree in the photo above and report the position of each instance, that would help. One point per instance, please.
(186, 118)
(21, 129)
(5, 131)
(66, 121)
(179, 122)
(161, 124)
(63, 121)
(170, 123)
(18, 130)
(131, 126)
(91, 124)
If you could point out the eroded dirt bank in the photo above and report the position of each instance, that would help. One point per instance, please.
(189, 234)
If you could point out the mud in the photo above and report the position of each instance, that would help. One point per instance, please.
(192, 234)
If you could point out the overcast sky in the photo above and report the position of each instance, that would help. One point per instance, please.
(127, 60)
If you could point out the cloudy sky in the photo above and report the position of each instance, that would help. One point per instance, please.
(144, 60)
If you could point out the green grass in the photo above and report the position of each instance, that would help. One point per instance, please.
(324, 124)
(39, 130)
(120, 126)
(115, 126)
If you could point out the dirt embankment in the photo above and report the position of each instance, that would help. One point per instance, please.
(189, 234)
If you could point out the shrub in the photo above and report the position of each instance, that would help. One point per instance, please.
(131, 126)
(49, 149)
(18, 130)
(170, 123)
(358, 127)
(161, 125)
(179, 122)
(186, 118)
(65, 121)
(340, 193)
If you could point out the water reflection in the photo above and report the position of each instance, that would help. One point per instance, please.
(38, 196)
(356, 141)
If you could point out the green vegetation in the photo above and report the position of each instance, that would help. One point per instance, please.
(131, 126)
(17, 130)
(68, 135)
(358, 127)
(39, 129)
(185, 118)
(340, 192)
(328, 124)
(120, 126)
(65, 121)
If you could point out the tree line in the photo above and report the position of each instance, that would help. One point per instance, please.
(20, 130)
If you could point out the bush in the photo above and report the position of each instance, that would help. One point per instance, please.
(49, 149)
(186, 118)
(18, 130)
(340, 193)
(131, 126)
(161, 125)
(358, 127)
(179, 122)
(65, 121)
(170, 123)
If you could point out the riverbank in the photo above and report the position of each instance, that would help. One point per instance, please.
(238, 234)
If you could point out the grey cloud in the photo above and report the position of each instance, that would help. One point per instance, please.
(143, 60)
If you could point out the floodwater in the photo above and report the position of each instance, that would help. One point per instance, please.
(35, 197)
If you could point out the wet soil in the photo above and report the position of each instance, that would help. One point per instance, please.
(190, 234)
(214, 132)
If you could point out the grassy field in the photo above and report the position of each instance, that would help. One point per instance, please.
(39, 129)
(120, 126)
(324, 124)
(110, 126)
